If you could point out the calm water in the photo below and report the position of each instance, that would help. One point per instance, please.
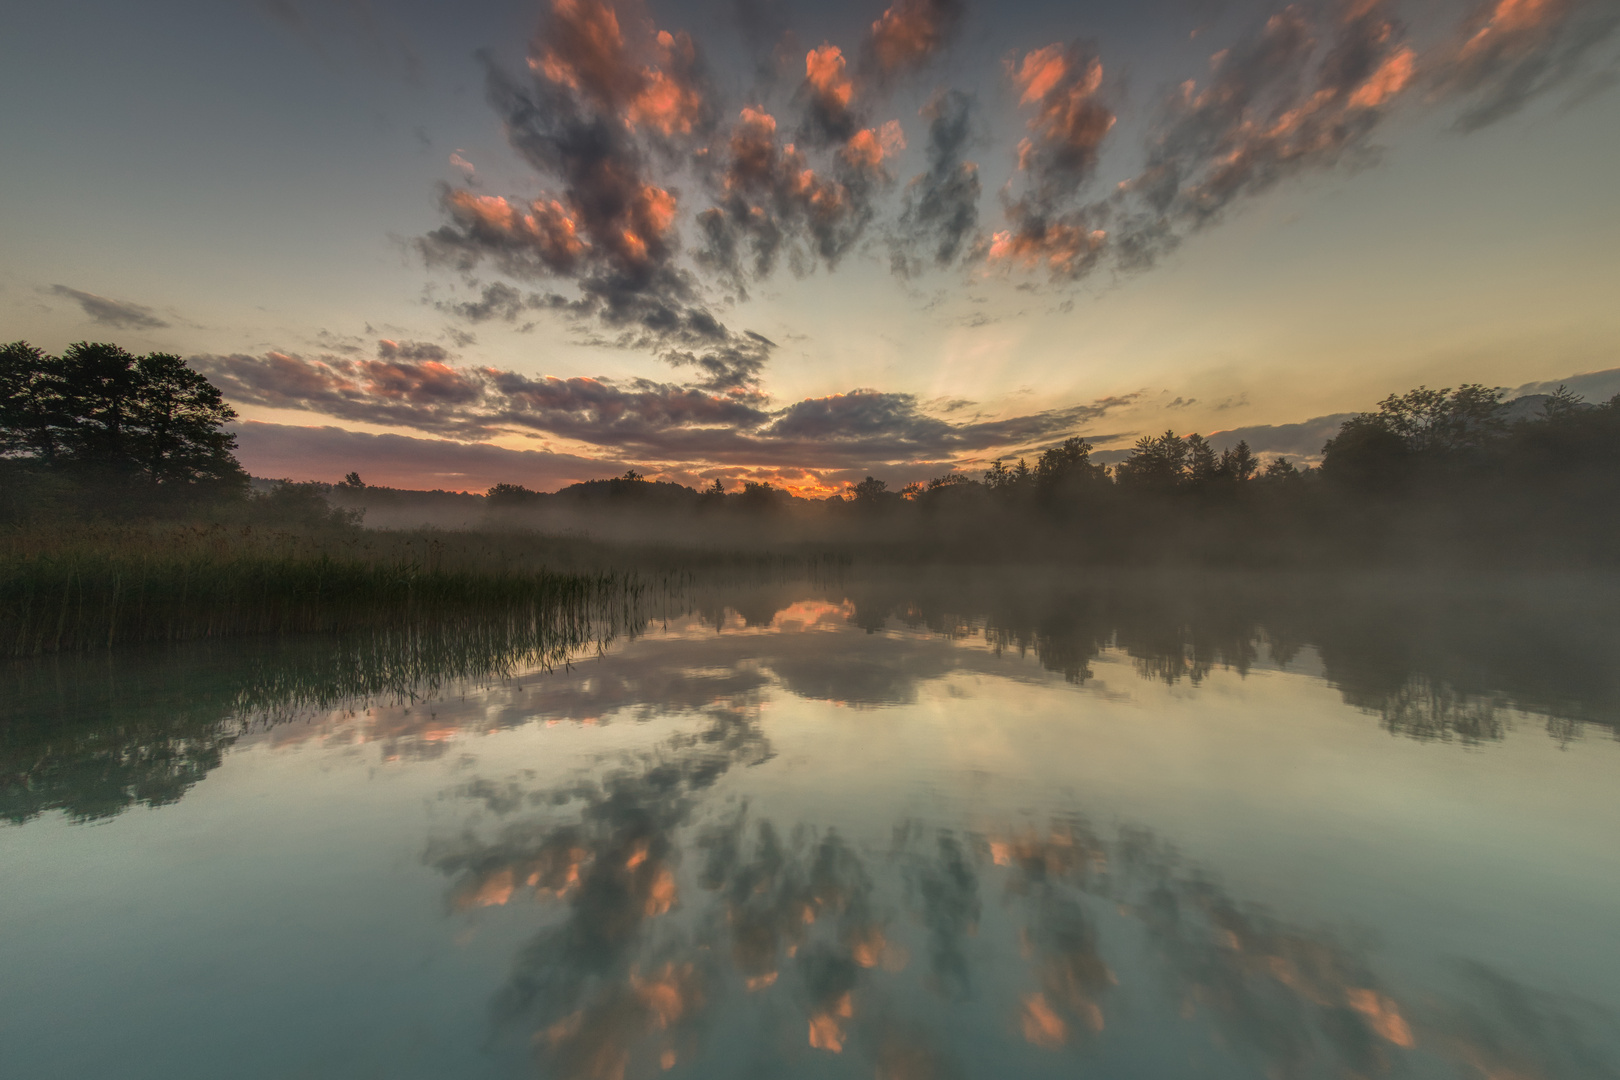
(873, 831)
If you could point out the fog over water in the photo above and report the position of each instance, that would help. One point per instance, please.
(837, 827)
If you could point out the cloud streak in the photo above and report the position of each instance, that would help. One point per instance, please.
(116, 313)
(639, 419)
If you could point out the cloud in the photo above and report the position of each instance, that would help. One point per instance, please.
(410, 350)
(770, 200)
(1296, 96)
(684, 426)
(941, 213)
(1507, 52)
(1594, 386)
(911, 33)
(425, 395)
(119, 313)
(325, 453)
(1055, 161)
(1304, 439)
(607, 101)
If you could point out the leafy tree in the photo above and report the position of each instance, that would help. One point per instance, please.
(99, 406)
(505, 495)
(30, 402)
(1065, 466)
(870, 492)
(99, 387)
(177, 424)
(1156, 462)
(352, 480)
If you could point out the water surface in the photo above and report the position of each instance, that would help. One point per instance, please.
(833, 830)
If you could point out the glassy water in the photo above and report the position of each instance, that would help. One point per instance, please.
(884, 830)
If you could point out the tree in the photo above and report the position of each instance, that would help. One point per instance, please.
(1238, 462)
(1065, 467)
(148, 417)
(1203, 467)
(177, 424)
(1157, 463)
(1280, 470)
(99, 383)
(870, 492)
(30, 402)
(504, 495)
(352, 480)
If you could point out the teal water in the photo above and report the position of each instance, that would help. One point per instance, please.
(821, 831)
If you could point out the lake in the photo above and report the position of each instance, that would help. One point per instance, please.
(895, 827)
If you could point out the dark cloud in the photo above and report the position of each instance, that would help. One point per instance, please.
(1266, 114)
(1507, 52)
(425, 395)
(389, 349)
(1594, 386)
(1055, 161)
(640, 418)
(941, 213)
(499, 301)
(609, 102)
(119, 313)
(771, 201)
(1304, 439)
(1298, 95)
(910, 33)
(326, 453)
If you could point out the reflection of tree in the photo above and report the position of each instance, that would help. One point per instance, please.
(1433, 659)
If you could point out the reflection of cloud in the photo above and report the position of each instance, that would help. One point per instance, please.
(795, 916)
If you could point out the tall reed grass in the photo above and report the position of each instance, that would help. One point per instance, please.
(93, 588)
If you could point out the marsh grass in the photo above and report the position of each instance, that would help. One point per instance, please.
(93, 588)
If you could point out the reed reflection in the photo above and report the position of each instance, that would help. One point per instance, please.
(95, 736)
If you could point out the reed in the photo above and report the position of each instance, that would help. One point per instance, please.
(95, 588)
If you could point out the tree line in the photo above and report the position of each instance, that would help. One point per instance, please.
(111, 432)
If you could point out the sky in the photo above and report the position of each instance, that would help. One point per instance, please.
(449, 245)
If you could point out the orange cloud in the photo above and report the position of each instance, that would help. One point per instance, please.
(867, 148)
(547, 228)
(1391, 78)
(1063, 88)
(1062, 248)
(824, 71)
(912, 31)
(666, 104)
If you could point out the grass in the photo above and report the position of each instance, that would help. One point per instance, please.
(94, 588)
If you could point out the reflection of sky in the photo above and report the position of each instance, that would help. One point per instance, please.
(795, 837)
